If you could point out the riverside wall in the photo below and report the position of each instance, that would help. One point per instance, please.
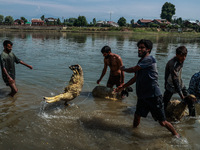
(27, 28)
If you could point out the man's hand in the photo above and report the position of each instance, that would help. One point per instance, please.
(98, 81)
(121, 84)
(119, 89)
(30, 67)
(122, 68)
(182, 96)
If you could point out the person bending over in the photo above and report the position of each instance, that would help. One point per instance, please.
(114, 62)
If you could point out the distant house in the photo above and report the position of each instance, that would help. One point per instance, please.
(37, 22)
(107, 23)
(28, 23)
(135, 25)
(144, 22)
(188, 22)
(100, 23)
(112, 23)
(50, 20)
(161, 21)
(18, 22)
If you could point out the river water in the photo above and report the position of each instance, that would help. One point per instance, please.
(27, 122)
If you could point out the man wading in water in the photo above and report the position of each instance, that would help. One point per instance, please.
(147, 88)
(8, 60)
(114, 61)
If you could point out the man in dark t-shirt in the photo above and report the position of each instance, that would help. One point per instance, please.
(173, 79)
(7, 61)
(147, 88)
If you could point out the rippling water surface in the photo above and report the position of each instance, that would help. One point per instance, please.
(27, 122)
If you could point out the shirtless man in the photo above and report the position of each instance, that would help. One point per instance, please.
(114, 61)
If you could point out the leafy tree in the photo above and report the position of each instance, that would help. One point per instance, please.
(24, 19)
(70, 21)
(42, 17)
(179, 21)
(58, 22)
(81, 21)
(122, 21)
(94, 21)
(153, 25)
(168, 10)
(132, 21)
(1, 18)
(9, 20)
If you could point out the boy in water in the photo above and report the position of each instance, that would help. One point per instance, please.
(8, 60)
(114, 61)
(147, 88)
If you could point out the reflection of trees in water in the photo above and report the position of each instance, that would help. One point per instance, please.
(163, 41)
(162, 44)
(138, 36)
(77, 37)
(46, 35)
(9, 35)
(120, 41)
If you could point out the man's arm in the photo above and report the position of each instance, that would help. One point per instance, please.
(175, 80)
(103, 72)
(23, 63)
(120, 64)
(10, 80)
(131, 70)
(193, 85)
(130, 82)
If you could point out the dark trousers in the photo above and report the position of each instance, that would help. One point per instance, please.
(168, 95)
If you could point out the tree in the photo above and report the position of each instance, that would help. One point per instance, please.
(42, 17)
(81, 21)
(58, 21)
(70, 21)
(168, 10)
(9, 20)
(1, 18)
(122, 21)
(24, 19)
(94, 21)
(179, 21)
(132, 21)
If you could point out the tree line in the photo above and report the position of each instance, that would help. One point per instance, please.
(167, 12)
(80, 21)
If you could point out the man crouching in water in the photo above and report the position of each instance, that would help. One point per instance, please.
(114, 61)
(148, 92)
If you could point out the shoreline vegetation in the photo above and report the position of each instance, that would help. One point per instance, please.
(121, 30)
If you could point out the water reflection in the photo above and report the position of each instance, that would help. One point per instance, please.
(88, 123)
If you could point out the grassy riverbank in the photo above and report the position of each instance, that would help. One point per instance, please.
(116, 30)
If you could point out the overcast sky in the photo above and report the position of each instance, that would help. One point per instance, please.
(99, 9)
